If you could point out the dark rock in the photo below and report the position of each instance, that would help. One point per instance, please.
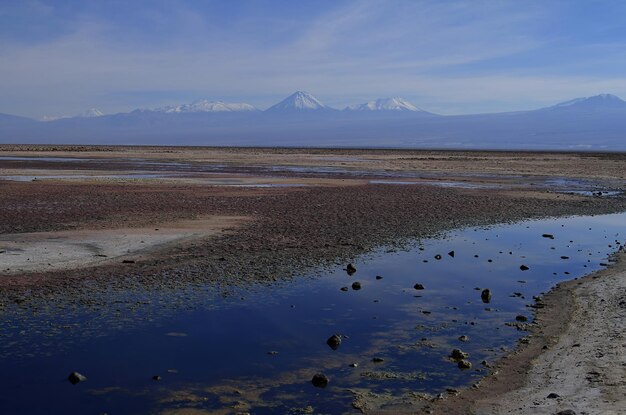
(378, 277)
(553, 396)
(485, 295)
(272, 352)
(437, 257)
(464, 364)
(378, 360)
(458, 354)
(334, 341)
(156, 377)
(76, 377)
(128, 261)
(451, 253)
(356, 285)
(564, 257)
(350, 269)
(521, 318)
(548, 235)
(464, 338)
(566, 412)
(344, 288)
(524, 268)
(418, 286)
(319, 380)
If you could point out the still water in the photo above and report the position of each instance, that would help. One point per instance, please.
(256, 349)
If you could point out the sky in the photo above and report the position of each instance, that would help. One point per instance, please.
(450, 57)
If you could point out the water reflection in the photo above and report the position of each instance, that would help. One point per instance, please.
(258, 348)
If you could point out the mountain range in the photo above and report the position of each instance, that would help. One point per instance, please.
(590, 123)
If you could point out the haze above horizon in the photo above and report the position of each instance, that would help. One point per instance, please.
(63, 57)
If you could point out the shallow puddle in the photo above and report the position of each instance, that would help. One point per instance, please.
(256, 349)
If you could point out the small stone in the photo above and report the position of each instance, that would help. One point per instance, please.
(319, 380)
(128, 261)
(156, 377)
(350, 269)
(548, 235)
(418, 286)
(76, 377)
(566, 412)
(344, 288)
(272, 352)
(356, 285)
(464, 364)
(458, 354)
(437, 257)
(521, 318)
(334, 341)
(354, 365)
(378, 360)
(485, 295)
(464, 338)
(451, 253)
(378, 277)
(553, 396)
(524, 268)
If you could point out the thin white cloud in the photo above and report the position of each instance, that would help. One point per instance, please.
(358, 49)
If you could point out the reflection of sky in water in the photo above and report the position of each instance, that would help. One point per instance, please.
(217, 340)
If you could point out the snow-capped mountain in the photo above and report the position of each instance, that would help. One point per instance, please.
(207, 106)
(594, 103)
(90, 113)
(299, 101)
(385, 104)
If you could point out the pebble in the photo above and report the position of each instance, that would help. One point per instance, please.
(319, 380)
(76, 377)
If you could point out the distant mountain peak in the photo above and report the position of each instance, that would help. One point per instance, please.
(596, 102)
(91, 113)
(386, 104)
(299, 101)
(204, 105)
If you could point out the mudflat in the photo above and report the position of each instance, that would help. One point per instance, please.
(174, 216)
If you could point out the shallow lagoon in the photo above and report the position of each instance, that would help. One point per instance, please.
(214, 346)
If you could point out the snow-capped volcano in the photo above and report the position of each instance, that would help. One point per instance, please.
(596, 102)
(207, 106)
(90, 113)
(385, 104)
(299, 101)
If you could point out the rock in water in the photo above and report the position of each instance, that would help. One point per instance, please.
(418, 286)
(451, 253)
(524, 268)
(458, 354)
(334, 341)
(521, 318)
(485, 295)
(464, 338)
(356, 285)
(76, 377)
(350, 269)
(548, 235)
(464, 364)
(319, 380)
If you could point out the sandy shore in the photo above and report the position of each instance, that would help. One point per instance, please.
(573, 359)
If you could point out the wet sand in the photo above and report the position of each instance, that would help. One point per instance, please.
(572, 359)
(331, 220)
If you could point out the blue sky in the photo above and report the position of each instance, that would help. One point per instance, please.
(451, 57)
